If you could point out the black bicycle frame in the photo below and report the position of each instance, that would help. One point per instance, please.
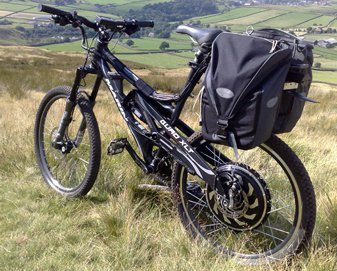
(161, 118)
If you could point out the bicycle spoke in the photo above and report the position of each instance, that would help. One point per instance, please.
(266, 234)
(197, 204)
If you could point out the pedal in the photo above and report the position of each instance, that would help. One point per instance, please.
(116, 146)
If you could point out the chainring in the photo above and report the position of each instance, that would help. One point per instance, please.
(251, 205)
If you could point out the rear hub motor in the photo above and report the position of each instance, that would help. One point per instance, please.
(246, 202)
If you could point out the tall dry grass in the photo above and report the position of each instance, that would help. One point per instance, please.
(117, 226)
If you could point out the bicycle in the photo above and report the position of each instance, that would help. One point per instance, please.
(258, 208)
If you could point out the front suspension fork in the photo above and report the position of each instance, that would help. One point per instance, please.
(81, 72)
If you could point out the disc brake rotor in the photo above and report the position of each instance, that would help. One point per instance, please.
(244, 209)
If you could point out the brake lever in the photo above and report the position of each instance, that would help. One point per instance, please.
(131, 27)
(62, 21)
(56, 19)
(76, 22)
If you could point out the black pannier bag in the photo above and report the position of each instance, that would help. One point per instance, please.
(243, 89)
(298, 79)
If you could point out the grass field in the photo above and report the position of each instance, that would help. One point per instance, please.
(123, 2)
(321, 20)
(254, 18)
(229, 15)
(236, 18)
(16, 7)
(334, 24)
(117, 226)
(328, 77)
(137, 53)
(289, 20)
(326, 53)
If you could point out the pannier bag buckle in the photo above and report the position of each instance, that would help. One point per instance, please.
(222, 126)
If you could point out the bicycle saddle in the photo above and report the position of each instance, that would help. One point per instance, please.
(200, 35)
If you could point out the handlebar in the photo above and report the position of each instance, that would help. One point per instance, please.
(72, 18)
(112, 24)
(127, 26)
(54, 11)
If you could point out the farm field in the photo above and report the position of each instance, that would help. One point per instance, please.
(325, 77)
(229, 15)
(123, 2)
(166, 60)
(273, 16)
(320, 21)
(237, 19)
(140, 44)
(253, 19)
(9, 6)
(291, 19)
(334, 23)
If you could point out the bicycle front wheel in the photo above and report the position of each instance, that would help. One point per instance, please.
(269, 211)
(71, 170)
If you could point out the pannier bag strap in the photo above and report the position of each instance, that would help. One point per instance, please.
(274, 34)
(301, 96)
(232, 142)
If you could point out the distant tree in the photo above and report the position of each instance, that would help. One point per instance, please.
(165, 35)
(130, 42)
(164, 45)
(5, 22)
(309, 29)
(20, 28)
(317, 65)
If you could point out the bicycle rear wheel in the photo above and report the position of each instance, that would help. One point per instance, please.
(72, 169)
(273, 212)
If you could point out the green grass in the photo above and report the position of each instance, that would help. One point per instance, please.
(330, 54)
(154, 43)
(322, 36)
(9, 6)
(325, 10)
(289, 20)
(9, 36)
(165, 60)
(228, 15)
(254, 18)
(124, 2)
(334, 24)
(162, 60)
(326, 77)
(322, 20)
(117, 226)
(123, 8)
(74, 46)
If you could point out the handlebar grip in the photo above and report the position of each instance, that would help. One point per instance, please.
(112, 24)
(109, 23)
(54, 11)
(145, 23)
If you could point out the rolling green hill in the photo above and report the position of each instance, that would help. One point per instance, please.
(292, 18)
